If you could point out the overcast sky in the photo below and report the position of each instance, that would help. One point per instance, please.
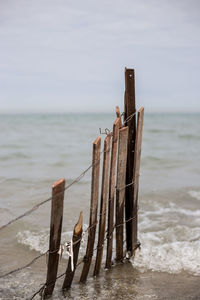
(63, 56)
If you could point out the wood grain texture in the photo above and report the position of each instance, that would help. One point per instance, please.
(118, 114)
(77, 234)
(129, 109)
(136, 174)
(103, 205)
(120, 190)
(112, 182)
(55, 234)
(93, 209)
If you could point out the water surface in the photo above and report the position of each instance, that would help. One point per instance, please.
(37, 150)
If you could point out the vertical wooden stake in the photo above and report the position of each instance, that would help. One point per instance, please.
(76, 245)
(120, 191)
(130, 109)
(93, 209)
(112, 193)
(136, 174)
(118, 115)
(104, 202)
(55, 234)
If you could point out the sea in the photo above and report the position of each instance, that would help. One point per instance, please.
(38, 149)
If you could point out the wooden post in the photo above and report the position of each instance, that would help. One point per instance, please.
(120, 191)
(55, 234)
(93, 209)
(130, 109)
(112, 193)
(118, 115)
(76, 245)
(104, 202)
(136, 174)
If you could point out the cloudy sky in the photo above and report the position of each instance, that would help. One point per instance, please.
(70, 55)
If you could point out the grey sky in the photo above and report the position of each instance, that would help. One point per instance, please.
(61, 55)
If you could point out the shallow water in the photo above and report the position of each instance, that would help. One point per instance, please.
(36, 150)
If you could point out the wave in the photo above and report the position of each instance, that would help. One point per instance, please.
(173, 250)
(39, 241)
(15, 155)
(194, 194)
(156, 162)
(189, 137)
(171, 210)
(163, 131)
(171, 257)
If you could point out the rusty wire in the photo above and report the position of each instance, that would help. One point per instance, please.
(74, 243)
(76, 180)
(28, 212)
(42, 289)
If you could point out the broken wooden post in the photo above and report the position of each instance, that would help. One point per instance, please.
(93, 209)
(104, 202)
(129, 115)
(118, 115)
(55, 234)
(77, 235)
(120, 191)
(136, 174)
(112, 183)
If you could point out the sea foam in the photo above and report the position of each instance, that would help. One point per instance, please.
(194, 194)
(173, 257)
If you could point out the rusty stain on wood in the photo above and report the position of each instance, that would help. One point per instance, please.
(104, 202)
(112, 182)
(93, 209)
(55, 234)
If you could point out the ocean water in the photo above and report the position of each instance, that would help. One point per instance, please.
(37, 150)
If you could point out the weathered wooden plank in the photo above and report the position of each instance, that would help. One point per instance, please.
(120, 190)
(117, 110)
(136, 174)
(76, 245)
(104, 202)
(93, 209)
(112, 182)
(55, 234)
(129, 110)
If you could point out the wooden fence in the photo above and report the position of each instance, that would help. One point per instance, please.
(118, 207)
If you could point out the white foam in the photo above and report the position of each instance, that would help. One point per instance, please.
(194, 194)
(177, 210)
(39, 241)
(172, 250)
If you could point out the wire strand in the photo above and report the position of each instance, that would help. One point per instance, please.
(76, 180)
